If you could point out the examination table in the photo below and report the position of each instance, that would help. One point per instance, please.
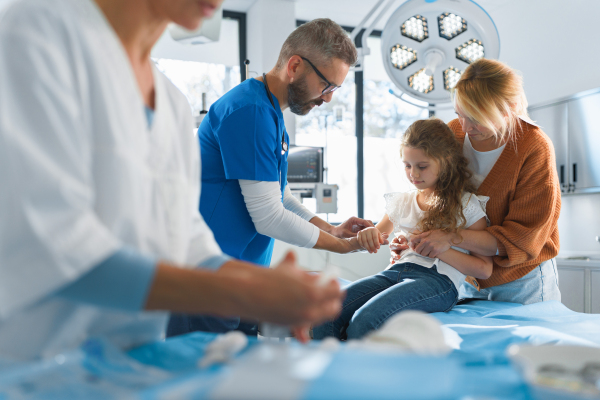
(477, 368)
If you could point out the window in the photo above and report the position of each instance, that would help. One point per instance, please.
(386, 117)
(212, 68)
(194, 78)
(332, 126)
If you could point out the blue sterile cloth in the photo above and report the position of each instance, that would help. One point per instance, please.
(477, 368)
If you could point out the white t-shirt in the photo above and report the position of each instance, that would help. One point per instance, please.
(480, 162)
(405, 213)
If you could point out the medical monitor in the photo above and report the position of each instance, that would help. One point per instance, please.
(305, 164)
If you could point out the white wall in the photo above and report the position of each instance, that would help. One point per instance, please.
(578, 226)
(269, 24)
(553, 43)
(4, 3)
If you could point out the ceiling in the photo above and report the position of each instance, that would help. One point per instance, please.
(551, 42)
(350, 12)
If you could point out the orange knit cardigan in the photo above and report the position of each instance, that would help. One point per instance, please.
(524, 204)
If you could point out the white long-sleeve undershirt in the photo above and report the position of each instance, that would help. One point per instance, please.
(287, 221)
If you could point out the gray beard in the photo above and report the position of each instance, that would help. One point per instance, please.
(298, 95)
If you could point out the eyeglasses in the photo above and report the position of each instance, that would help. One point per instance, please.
(330, 86)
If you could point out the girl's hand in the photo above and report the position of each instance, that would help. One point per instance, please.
(371, 239)
(398, 245)
(431, 244)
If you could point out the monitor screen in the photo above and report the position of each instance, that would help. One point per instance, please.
(305, 164)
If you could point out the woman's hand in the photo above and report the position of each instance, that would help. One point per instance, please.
(431, 244)
(289, 295)
(301, 333)
(371, 239)
(350, 227)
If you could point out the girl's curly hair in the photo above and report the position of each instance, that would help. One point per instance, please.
(438, 142)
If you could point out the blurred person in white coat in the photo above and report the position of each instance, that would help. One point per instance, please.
(100, 232)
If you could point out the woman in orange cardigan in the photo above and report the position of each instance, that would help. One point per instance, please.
(513, 163)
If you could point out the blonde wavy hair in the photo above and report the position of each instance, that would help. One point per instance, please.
(491, 94)
(438, 142)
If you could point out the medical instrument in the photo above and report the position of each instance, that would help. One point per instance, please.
(559, 372)
(223, 349)
(284, 145)
(202, 113)
(305, 178)
(247, 64)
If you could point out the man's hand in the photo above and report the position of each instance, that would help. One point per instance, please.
(431, 244)
(371, 239)
(350, 227)
(398, 245)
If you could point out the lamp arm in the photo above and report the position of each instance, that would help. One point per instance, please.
(358, 28)
(428, 107)
(371, 28)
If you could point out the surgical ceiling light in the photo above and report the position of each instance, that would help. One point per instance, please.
(451, 25)
(451, 77)
(421, 82)
(425, 63)
(470, 51)
(402, 56)
(415, 28)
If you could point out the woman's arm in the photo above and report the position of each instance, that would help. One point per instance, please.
(529, 225)
(475, 265)
(433, 243)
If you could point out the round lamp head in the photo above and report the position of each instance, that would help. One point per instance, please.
(426, 45)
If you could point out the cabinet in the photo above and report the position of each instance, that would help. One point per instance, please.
(579, 284)
(571, 282)
(573, 125)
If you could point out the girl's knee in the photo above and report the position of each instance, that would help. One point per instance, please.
(363, 324)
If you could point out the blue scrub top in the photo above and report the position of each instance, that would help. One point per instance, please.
(240, 138)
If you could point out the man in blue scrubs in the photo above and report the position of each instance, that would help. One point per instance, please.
(244, 146)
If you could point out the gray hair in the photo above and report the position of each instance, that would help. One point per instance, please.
(319, 40)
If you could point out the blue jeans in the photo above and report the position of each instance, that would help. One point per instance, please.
(373, 300)
(180, 324)
(541, 284)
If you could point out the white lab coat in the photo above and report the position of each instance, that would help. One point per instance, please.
(81, 175)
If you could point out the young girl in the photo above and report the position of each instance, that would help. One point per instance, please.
(434, 163)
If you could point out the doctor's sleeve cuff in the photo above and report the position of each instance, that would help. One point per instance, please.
(122, 282)
(215, 262)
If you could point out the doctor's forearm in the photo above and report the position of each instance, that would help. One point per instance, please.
(336, 245)
(322, 225)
